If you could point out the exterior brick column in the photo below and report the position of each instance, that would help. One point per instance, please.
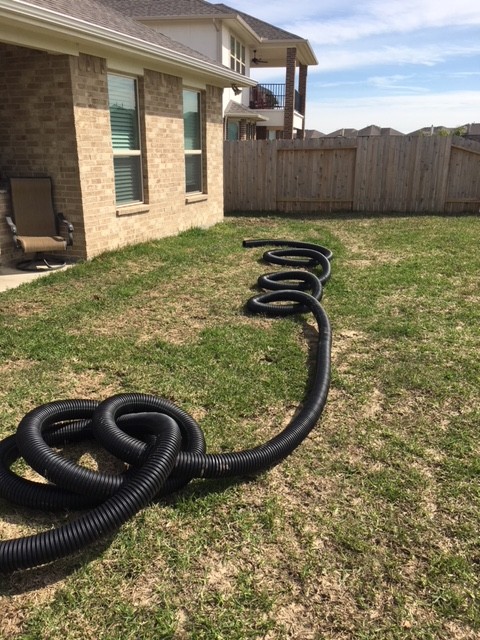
(302, 90)
(289, 93)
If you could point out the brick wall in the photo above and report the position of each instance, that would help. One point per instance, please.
(37, 134)
(54, 120)
(161, 116)
(7, 250)
(212, 210)
(94, 151)
(289, 93)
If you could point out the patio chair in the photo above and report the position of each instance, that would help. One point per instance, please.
(35, 225)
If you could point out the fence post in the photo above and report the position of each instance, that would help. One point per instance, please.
(444, 172)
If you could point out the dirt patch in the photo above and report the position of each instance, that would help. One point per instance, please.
(20, 365)
(169, 315)
(90, 384)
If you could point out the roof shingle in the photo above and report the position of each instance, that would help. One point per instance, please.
(180, 8)
(99, 14)
(263, 29)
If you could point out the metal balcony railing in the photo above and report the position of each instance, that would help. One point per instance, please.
(267, 96)
(272, 96)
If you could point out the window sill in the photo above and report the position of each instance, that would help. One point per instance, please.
(196, 197)
(132, 210)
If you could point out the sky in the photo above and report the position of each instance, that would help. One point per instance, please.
(404, 64)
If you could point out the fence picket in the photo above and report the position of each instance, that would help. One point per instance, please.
(370, 174)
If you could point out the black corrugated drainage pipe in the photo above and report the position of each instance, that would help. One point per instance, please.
(163, 446)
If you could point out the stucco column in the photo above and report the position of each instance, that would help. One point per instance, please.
(289, 93)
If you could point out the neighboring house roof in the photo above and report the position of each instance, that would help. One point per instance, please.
(429, 131)
(263, 29)
(95, 20)
(239, 111)
(473, 128)
(374, 130)
(311, 134)
(163, 8)
(261, 33)
(198, 8)
(343, 133)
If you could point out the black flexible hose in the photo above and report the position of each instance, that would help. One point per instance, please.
(162, 445)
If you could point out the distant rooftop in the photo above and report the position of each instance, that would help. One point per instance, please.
(311, 134)
(467, 130)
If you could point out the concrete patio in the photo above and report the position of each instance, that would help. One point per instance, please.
(11, 277)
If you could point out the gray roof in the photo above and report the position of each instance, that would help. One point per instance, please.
(236, 110)
(427, 131)
(312, 134)
(374, 130)
(343, 133)
(163, 8)
(185, 8)
(263, 29)
(473, 128)
(97, 13)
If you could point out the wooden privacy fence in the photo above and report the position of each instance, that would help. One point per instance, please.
(368, 174)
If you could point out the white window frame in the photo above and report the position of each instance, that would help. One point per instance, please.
(196, 152)
(238, 56)
(128, 153)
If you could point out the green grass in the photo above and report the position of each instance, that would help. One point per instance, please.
(368, 531)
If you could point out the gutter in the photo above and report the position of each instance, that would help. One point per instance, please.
(35, 16)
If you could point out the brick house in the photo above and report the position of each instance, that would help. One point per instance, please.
(127, 122)
(245, 43)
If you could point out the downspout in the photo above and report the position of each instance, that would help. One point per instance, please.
(218, 28)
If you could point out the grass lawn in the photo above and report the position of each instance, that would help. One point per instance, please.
(370, 530)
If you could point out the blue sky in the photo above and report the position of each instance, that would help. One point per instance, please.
(395, 63)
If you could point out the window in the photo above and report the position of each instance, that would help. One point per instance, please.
(123, 103)
(233, 132)
(237, 56)
(192, 126)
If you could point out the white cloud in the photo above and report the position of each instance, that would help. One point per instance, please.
(464, 74)
(405, 112)
(424, 55)
(381, 17)
(387, 47)
(394, 83)
(332, 21)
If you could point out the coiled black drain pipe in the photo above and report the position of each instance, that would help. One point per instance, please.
(163, 445)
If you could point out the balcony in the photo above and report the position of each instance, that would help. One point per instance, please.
(272, 96)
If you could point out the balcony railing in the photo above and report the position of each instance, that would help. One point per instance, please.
(272, 96)
(267, 96)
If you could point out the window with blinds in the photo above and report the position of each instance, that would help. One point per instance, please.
(123, 103)
(192, 127)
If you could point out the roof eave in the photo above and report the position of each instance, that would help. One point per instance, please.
(38, 17)
(306, 52)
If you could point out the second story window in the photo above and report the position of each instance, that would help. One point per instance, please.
(237, 56)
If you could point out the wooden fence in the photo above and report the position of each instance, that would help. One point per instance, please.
(368, 174)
